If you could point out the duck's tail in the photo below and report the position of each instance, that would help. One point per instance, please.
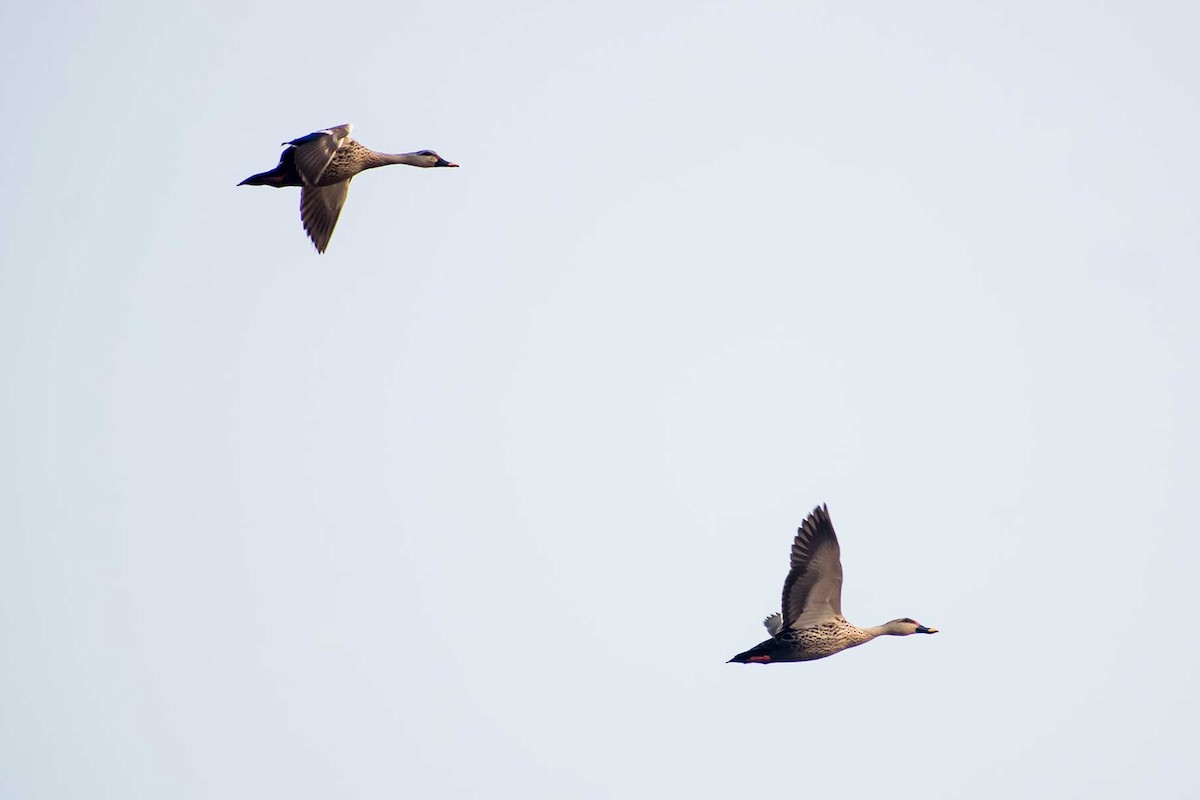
(275, 177)
(761, 653)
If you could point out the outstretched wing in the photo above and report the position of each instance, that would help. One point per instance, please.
(774, 623)
(315, 151)
(319, 210)
(812, 593)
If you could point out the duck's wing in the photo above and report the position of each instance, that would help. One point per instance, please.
(774, 623)
(812, 593)
(319, 210)
(314, 151)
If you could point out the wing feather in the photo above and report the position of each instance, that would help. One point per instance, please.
(320, 207)
(315, 151)
(812, 593)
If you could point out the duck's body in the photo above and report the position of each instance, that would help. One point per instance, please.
(322, 164)
(806, 644)
(811, 625)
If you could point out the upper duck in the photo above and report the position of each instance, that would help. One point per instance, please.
(322, 164)
(811, 625)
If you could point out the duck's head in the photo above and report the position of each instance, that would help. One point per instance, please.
(906, 626)
(428, 158)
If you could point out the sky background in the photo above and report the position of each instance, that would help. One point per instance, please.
(478, 503)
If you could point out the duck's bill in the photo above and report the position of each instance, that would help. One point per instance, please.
(444, 163)
(923, 629)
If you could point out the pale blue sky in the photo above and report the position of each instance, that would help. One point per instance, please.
(478, 503)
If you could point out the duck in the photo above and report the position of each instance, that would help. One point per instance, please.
(811, 625)
(322, 164)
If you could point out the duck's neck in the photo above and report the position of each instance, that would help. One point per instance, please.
(383, 159)
(886, 629)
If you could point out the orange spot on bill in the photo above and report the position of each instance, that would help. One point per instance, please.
(760, 659)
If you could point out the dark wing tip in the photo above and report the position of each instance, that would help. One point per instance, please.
(816, 527)
(816, 523)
